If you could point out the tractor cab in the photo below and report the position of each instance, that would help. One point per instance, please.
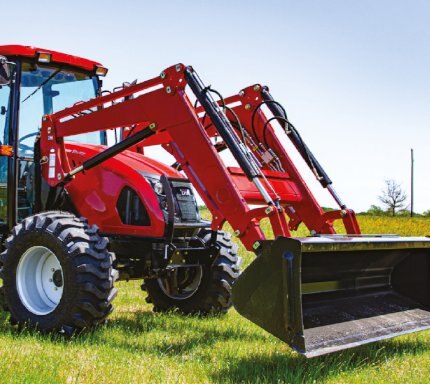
(35, 82)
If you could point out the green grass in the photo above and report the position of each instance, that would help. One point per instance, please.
(138, 346)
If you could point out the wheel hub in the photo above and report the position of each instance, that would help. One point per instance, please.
(57, 278)
(181, 281)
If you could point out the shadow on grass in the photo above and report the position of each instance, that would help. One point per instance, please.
(179, 334)
(295, 368)
(146, 332)
(168, 334)
(173, 335)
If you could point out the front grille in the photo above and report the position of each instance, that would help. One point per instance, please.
(187, 208)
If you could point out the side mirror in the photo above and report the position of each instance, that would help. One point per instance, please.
(5, 71)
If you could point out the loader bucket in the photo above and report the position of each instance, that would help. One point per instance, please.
(324, 294)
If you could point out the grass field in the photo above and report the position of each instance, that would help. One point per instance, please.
(138, 346)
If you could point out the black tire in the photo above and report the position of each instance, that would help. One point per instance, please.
(213, 295)
(85, 266)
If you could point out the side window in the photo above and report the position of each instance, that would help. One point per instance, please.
(30, 106)
(31, 109)
(67, 95)
(4, 112)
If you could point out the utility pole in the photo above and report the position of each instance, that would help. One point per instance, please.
(412, 182)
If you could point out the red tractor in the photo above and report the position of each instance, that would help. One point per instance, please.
(77, 214)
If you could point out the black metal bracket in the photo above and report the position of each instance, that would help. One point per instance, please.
(221, 123)
(112, 151)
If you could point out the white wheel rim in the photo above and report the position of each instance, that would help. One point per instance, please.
(39, 280)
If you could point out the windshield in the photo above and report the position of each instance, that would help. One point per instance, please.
(46, 90)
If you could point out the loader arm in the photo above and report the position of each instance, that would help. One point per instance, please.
(162, 105)
(267, 147)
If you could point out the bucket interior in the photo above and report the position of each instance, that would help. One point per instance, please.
(352, 298)
(322, 297)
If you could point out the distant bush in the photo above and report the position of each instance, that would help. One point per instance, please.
(405, 213)
(374, 210)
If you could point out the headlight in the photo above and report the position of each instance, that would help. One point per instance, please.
(158, 188)
(154, 181)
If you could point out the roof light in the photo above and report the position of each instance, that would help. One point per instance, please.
(44, 57)
(101, 71)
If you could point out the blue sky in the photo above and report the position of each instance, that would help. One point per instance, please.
(353, 75)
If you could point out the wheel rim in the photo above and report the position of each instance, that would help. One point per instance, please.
(181, 282)
(39, 280)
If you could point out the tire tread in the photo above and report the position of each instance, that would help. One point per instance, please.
(95, 276)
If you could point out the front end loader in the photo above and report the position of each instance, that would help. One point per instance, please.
(81, 214)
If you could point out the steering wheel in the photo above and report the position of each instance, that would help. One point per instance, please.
(25, 147)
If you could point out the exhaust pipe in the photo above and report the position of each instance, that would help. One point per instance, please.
(328, 293)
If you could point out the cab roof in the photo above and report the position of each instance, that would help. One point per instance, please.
(57, 57)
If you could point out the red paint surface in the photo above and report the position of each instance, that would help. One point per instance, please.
(57, 57)
(95, 193)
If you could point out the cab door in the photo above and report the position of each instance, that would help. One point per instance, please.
(5, 117)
